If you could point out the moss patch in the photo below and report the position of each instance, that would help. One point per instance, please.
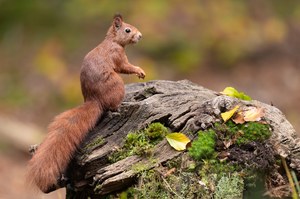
(183, 182)
(243, 133)
(140, 142)
(201, 172)
(204, 145)
(151, 184)
(240, 134)
(225, 175)
(95, 143)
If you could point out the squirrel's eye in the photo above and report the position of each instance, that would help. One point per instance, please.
(127, 30)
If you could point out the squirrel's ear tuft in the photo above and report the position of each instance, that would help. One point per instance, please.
(118, 19)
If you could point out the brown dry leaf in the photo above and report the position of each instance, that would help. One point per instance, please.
(223, 154)
(239, 118)
(254, 114)
(227, 143)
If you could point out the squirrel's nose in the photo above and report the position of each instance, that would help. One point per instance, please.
(139, 35)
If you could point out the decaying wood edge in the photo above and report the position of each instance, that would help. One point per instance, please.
(181, 106)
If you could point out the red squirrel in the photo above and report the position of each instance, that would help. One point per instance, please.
(102, 89)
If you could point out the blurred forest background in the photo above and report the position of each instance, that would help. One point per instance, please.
(251, 45)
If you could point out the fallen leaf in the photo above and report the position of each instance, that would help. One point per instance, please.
(232, 92)
(243, 96)
(178, 141)
(228, 114)
(223, 154)
(227, 143)
(238, 118)
(254, 114)
(188, 145)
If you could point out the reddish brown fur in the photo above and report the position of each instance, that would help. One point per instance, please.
(102, 89)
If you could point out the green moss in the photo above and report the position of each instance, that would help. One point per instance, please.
(153, 185)
(230, 187)
(139, 167)
(222, 175)
(214, 166)
(98, 187)
(141, 142)
(190, 186)
(156, 131)
(184, 183)
(253, 131)
(136, 143)
(124, 195)
(96, 142)
(204, 146)
(199, 173)
(244, 133)
(173, 163)
(150, 186)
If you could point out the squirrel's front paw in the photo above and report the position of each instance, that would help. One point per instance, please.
(140, 73)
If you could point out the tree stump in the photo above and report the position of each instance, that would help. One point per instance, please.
(181, 106)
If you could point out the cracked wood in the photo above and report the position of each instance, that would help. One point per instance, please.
(181, 106)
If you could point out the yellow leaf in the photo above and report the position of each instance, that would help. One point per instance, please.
(178, 141)
(253, 114)
(230, 91)
(228, 114)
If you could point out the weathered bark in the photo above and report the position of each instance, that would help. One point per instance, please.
(181, 106)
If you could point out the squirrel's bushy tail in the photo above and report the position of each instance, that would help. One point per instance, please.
(65, 133)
